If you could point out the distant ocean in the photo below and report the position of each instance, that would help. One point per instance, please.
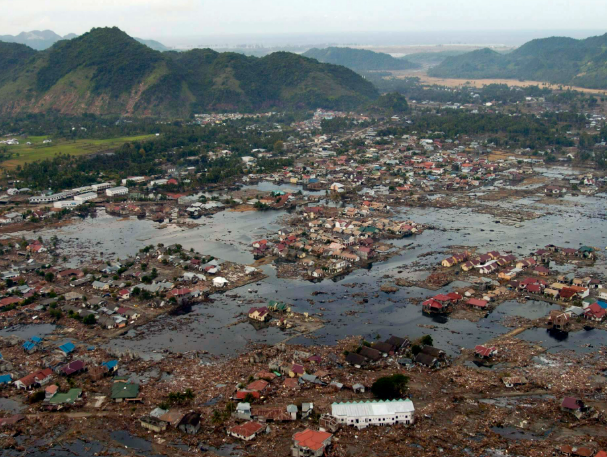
(479, 37)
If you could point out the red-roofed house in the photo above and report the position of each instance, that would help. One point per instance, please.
(595, 312)
(246, 431)
(35, 379)
(259, 314)
(310, 443)
(259, 385)
(477, 303)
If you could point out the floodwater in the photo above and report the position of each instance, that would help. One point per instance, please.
(584, 341)
(25, 332)
(212, 326)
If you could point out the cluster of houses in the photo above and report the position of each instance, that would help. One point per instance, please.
(324, 244)
(56, 361)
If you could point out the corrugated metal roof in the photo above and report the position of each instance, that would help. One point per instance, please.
(372, 408)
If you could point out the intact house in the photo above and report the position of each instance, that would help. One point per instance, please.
(33, 380)
(259, 314)
(363, 414)
(310, 443)
(246, 431)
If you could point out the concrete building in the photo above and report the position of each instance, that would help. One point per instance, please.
(85, 197)
(363, 414)
(116, 191)
(66, 204)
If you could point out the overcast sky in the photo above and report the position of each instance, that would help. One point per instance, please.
(175, 18)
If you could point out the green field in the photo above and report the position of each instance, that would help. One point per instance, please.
(24, 152)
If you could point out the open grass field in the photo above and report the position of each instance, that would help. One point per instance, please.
(453, 82)
(24, 152)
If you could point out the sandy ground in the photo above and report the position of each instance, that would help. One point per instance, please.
(453, 82)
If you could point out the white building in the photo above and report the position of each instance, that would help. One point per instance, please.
(102, 186)
(362, 414)
(134, 179)
(85, 197)
(114, 191)
(66, 204)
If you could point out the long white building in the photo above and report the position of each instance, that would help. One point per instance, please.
(365, 413)
(114, 191)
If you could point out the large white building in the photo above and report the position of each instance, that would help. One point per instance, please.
(114, 191)
(66, 204)
(365, 413)
(85, 197)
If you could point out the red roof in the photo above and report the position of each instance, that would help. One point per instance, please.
(454, 296)
(484, 351)
(478, 303)
(290, 383)
(431, 303)
(311, 439)
(241, 394)
(247, 430)
(258, 385)
(442, 297)
(298, 369)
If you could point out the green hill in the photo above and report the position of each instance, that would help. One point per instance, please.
(556, 60)
(107, 72)
(431, 59)
(359, 59)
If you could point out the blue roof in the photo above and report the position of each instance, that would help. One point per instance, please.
(602, 304)
(111, 364)
(29, 345)
(36, 339)
(67, 347)
(5, 379)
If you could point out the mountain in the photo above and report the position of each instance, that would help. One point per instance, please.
(41, 40)
(105, 71)
(359, 59)
(35, 39)
(556, 60)
(431, 59)
(155, 45)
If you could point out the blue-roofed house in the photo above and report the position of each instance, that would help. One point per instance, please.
(32, 344)
(602, 304)
(6, 379)
(67, 348)
(112, 365)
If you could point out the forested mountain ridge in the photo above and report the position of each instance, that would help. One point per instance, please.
(556, 60)
(359, 59)
(107, 72)
(41, 40)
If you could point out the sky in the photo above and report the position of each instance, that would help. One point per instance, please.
(172, 19)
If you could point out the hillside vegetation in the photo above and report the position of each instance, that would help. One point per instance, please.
(359, 59)
(107, 72)
(556, 60)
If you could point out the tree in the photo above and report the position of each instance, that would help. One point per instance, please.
(89, 319)
(49, 277)
(390, 387)
(416, 349)
(427, 340)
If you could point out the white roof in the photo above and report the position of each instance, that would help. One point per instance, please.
(371, 408)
